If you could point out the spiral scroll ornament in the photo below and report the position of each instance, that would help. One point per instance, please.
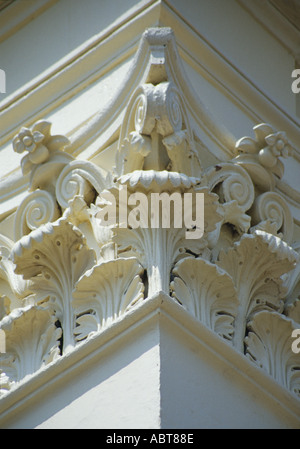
(141, 114)
(169, 109)
(80, 178)
(232, 183)
(140, 117)
(174, 109)
(36, 209)
(271, 208)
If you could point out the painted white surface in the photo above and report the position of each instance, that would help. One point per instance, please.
(158, 376)
(244, 43)
(115, 388)
(157, 367)
(54, 34)
(199, 391)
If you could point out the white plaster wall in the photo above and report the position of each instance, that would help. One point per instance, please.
(121, 388)
(54, 34)
(114, 388)
(67, 24)
(159, 368)
(199, 390)
(244, 43)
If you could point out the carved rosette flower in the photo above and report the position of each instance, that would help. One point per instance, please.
(39, 144)
(260, 156)
(277, 145)
(269, 345)
(31, 141)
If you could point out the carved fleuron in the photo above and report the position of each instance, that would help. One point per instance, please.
(69, 274)
(261, 156)
(39, 144)
(55, 177)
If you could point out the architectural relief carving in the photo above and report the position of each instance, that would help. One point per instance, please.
(255, 264)
(32, 341)
(39, 144)
(106, 292)
(69, 275)
(269, 345)
(54, 257)
(236, 193)
(208, 293)
(261, 156)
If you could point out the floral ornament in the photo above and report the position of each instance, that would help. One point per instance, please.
(261, 155)
(39, 143)
(278, 145)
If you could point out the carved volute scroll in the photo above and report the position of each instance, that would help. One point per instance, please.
(71, 273)
(156, 134)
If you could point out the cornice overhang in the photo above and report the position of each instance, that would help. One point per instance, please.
(159, 312)
(67, 275)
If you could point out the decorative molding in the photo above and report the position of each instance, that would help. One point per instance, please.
(84, 273)
(100, 128)
(257, 278)
(54, 257)
(25, 356)
(269, 345)
(161, 311)
(18, 15)
(104, 293)
(208, 293)
(261, 156)
(264, 12)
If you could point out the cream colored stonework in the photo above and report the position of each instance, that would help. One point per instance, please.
(66, 279)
